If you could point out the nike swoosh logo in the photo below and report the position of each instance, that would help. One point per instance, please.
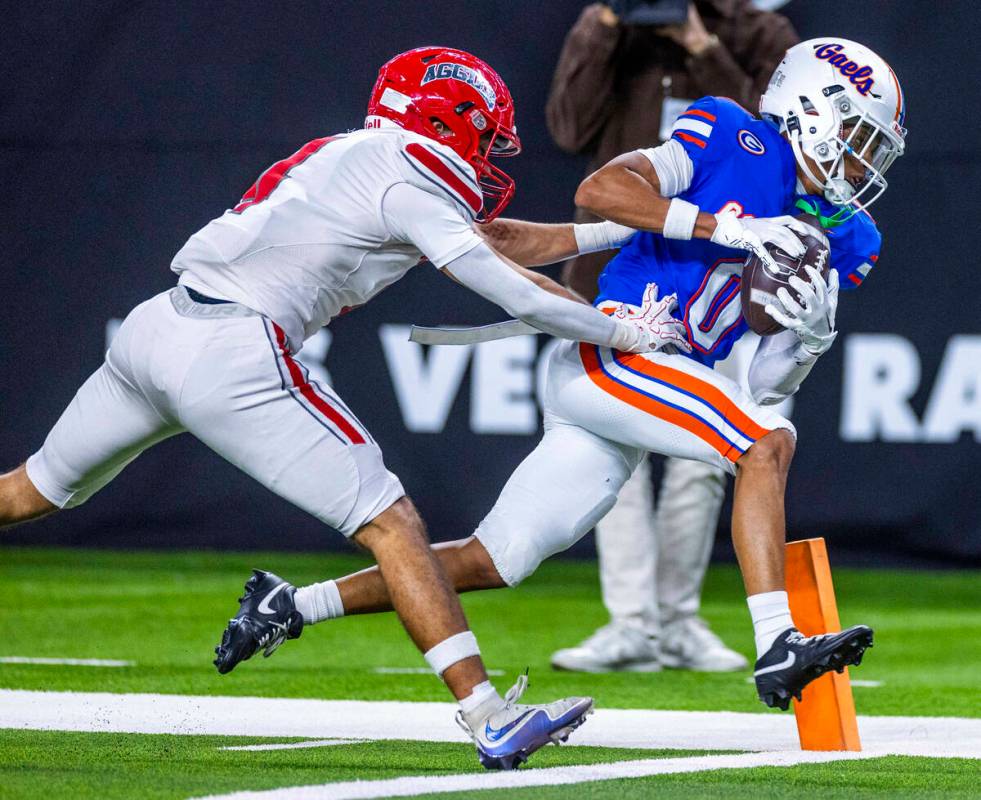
(264, 607)
(493, 735)
(789, 661)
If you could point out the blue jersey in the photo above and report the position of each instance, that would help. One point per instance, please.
(740, 163)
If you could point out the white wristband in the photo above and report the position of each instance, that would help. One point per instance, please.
(449, 651)
(680, 220)
(594, 237)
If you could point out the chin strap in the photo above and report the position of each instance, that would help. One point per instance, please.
(840, 216)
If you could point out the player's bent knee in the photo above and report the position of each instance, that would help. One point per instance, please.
(399, 521)
(774, 451)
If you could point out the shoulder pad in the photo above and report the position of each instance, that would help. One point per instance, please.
(694, 127)
(436, 169)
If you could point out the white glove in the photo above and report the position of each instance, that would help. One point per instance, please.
(749, 233)
(814, 322)
(658, 329)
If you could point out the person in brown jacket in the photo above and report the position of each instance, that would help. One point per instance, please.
(619, 87)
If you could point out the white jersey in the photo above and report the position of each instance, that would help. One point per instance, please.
(310, 240)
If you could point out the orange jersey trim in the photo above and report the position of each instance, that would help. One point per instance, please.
(706, 391)
(687, 138)
(595, 372)
(697, 112)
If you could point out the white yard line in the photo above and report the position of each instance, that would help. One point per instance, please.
(70, 662)
(553, 776)
(862, 684)
(293, 745)
(421, 671)
(354, 719)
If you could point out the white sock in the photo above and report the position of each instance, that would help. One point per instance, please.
(318, 602)
(771, 617)
(480, 703)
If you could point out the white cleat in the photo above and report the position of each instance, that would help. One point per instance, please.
(613, 648)
(689, 643)
(512, 732)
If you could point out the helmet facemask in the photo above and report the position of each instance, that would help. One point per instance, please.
(477, 138)
(861, 138)
(497, 186)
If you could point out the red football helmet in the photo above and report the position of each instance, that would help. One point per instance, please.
(467, 97)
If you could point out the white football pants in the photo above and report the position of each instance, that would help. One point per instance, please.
(224, 374)
(653, 558)
(605, 410)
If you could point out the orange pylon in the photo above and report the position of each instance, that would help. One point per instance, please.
(826, 713)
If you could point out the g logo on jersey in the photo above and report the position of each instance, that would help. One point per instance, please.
(749, 143)
(458, 72)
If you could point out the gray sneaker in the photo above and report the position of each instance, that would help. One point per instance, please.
(613, 648)
(690, 644)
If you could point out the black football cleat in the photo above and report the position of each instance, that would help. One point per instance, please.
(266, 618)
(795, 660)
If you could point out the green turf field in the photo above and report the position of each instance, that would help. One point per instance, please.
(165, 612)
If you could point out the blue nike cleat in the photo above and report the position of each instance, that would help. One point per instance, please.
(506, 737)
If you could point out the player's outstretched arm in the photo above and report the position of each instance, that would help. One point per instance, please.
(536, 244)
(435, 226)
(493, 278)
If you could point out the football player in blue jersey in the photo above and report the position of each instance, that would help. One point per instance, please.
(684, 215)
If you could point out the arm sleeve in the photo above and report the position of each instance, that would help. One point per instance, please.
(778, 368)
(433, 224)
(673, 166)
(483, 272)
(580, 100)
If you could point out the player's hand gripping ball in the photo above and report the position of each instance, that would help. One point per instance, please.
(760, 283)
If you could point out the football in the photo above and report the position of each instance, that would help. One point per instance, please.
(759, 285)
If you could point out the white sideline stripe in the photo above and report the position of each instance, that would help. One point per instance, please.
(70, 662)
(859, 683)
(496, 673)
(292, 745)
(952, 737)
(552, 776)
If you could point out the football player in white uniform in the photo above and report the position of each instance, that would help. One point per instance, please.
(318, 233)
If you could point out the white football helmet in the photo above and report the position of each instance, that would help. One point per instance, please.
(832, 98)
